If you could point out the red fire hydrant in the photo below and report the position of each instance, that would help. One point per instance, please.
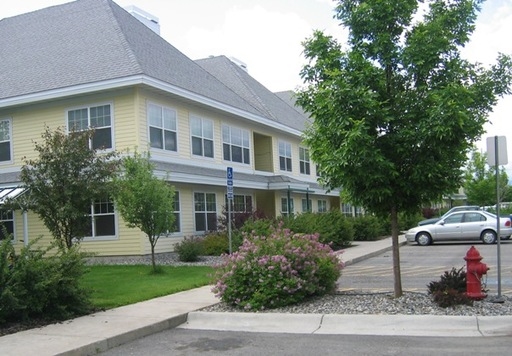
(474, 271)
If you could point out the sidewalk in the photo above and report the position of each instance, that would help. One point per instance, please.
(91, 334)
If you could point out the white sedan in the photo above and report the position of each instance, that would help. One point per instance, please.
(459, 226)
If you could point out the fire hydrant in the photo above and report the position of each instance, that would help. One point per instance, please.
(474, 271)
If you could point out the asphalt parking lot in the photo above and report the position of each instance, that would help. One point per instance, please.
(421, 265)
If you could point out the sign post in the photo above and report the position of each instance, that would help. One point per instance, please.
(229, 185)
(496, 156)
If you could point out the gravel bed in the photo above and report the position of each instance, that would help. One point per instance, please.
(341, 302)
(382, 303)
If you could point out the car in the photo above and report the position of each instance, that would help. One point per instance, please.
(461, 226)
(452, 210)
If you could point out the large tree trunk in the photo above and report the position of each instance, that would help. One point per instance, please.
(396, 253)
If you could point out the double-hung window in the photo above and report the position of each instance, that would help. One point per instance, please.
(102, 218)
(322, 206)
(285, 156)
(201, 131)
(286, 207)
(241, 204)
(162, 127)
(205, 211)
(304, 161)
(97, 117)
(5, 140)
(177, 212)
(236, 144)
(306, 205)
(6, 223)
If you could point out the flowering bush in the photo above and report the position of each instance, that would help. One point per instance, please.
(278, 270)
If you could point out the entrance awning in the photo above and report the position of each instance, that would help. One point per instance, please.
(10, 193)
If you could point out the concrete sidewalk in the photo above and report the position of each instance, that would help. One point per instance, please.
(91, 334)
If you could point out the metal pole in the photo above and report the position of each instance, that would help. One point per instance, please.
(229, 227)
(498, 242)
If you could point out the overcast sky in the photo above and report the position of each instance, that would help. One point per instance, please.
(267, 36)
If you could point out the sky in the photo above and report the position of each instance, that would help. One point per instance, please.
(267, 34)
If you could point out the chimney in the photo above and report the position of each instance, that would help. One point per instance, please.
(144, 17)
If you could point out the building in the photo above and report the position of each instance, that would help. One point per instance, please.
(91, 63)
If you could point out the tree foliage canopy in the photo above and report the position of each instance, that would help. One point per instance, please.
(397, 112)
(64, 181)
(480, 181)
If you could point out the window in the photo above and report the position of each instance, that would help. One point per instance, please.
(306, 205)
(5, 140)
(102, 218)
(240, 203)
(322, 206)
(205, 210)
(201, 131)
(346, 209)
(177, 213)
(162, 127)
(7, 223)
(285, 156)
(97, 117)
(235, 144)
(285, 209)
(304, 161)
(454, 219)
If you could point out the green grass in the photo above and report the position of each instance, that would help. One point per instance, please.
(114, 286)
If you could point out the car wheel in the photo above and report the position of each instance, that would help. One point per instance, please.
(488, 237)
(423, 239)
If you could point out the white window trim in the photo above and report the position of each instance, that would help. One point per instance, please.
(13, 240)
(304, 161)
(202, 137)
(251, 158)
(89, 106)
(206, 211)
(106, 237)
(162, 150)
(279, 155)
(9, 120)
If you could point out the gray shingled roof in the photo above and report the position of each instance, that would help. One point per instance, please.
(92, 41)
(238, 80)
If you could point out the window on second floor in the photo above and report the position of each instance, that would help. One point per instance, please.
(236, 144)
(5, 140)
(285, 156)
(201, 132)
(304, 161)
(97, 117)
(162, 127)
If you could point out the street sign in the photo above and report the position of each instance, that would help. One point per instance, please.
(229, 183)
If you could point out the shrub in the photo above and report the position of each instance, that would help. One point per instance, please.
(278, 270)
(189, 249)
(450, 290)
(333, 227)
(216, 243)
(42, 283)
(368, 228)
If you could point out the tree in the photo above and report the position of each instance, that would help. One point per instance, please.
(143, 200)
(64, 181)
(395, 114)
(480, 181)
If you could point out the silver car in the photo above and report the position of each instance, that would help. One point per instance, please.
(461, 225)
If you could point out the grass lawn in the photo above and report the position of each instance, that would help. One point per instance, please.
(114, 286)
